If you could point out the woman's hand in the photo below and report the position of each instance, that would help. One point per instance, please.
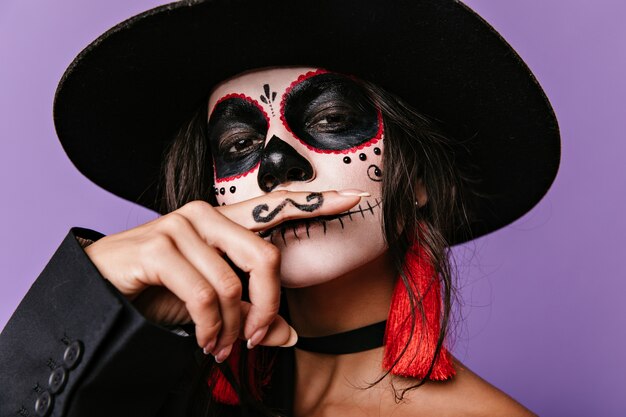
(174, 271)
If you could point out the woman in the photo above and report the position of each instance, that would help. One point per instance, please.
(278, 142)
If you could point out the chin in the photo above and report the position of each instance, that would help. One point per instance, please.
(326, 252)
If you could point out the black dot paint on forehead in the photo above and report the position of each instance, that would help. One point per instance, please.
(236, 130)
(330, 113)
(268, 97)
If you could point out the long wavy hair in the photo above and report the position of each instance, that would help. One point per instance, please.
(416, 152)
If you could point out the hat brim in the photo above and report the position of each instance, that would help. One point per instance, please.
(122, 99)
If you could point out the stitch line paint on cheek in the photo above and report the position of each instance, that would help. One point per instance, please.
(301, 228)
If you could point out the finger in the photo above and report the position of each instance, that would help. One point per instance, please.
(259, 258)
(172, 270)
(217, 272)
(279, 333)
(274, 208)
(251, 253)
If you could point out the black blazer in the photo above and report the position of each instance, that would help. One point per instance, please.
(76, 347)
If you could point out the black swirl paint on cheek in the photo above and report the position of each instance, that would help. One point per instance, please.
(330, 112)
(259, 217)
(375, 173)
(236, 131)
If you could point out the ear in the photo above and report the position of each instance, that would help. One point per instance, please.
(421, 196)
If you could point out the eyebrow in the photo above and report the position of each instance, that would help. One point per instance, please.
(228, 106)
(328, 85)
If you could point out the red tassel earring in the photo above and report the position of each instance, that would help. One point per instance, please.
(410, 346)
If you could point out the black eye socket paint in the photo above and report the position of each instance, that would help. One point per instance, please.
(236, 130)
(330, 113)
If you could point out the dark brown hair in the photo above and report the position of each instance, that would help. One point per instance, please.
(416, 153)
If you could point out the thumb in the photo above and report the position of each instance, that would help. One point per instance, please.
(278, 333)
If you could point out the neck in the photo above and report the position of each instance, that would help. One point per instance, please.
(354, 300)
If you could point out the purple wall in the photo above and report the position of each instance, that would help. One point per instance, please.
(542, 314)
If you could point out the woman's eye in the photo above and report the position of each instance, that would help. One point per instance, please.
(240, 146)
(330, 121)
(332, 118)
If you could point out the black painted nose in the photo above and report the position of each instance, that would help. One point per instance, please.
(281, 163)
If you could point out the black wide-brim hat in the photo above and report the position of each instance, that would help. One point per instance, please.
(122, 99)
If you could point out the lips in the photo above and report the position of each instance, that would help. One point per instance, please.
(299, 225)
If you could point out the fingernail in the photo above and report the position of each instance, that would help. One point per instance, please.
(209, 347)
(257, 337)
(354, 193)
(223, 354)
(293, 338)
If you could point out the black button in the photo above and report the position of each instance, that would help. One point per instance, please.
(43, 405)
(57, 379)
(73, 354)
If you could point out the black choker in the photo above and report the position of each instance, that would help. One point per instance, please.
(352, 341)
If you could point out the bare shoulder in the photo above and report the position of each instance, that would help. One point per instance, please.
(466, 394)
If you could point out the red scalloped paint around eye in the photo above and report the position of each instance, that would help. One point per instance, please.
(378, 136)
(283, 100)
(243, 97)
(234, 177)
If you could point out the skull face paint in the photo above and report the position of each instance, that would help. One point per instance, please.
(302, 129)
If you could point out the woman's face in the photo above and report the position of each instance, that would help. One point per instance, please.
(302, 129)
